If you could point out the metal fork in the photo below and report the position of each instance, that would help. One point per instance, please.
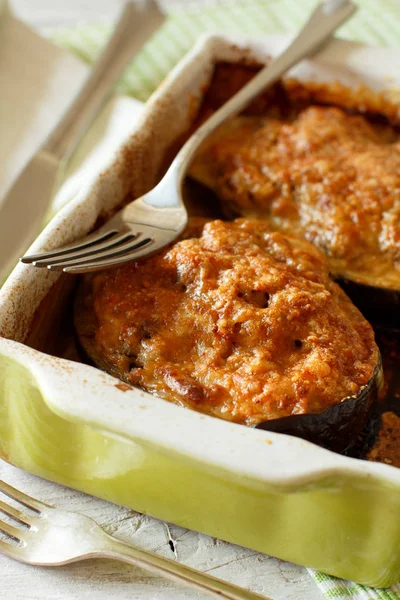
(157, 218)
(46, 536)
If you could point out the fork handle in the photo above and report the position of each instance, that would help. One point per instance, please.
(136, 23)
(171, 569)
(327, 17)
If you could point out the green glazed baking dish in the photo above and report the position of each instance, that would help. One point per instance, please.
(73, 424)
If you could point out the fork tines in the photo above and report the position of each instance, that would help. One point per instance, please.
(22, 498)
(16, 515)
(100, 251)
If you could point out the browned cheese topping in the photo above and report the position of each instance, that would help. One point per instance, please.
(322, 173)
(241, 322)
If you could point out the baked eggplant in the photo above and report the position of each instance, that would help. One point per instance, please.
(239, 322)
(323, 173)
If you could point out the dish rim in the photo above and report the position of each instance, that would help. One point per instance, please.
(278, 460)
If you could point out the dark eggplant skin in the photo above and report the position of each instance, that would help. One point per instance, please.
(337, 428)
(380, 306)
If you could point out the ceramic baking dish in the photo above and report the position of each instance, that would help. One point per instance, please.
(73, 424)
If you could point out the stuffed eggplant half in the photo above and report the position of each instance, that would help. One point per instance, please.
(324, 173)
(239, 322)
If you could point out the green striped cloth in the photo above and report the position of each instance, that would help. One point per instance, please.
(377, 23)
(339, 589)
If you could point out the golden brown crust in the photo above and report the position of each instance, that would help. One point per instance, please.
(241, 323)
(322, 173)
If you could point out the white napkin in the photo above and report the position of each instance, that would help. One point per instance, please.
(37, 82)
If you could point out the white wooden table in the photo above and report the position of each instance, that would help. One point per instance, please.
(103, 579)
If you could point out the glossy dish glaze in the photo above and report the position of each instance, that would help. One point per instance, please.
(74, 424)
